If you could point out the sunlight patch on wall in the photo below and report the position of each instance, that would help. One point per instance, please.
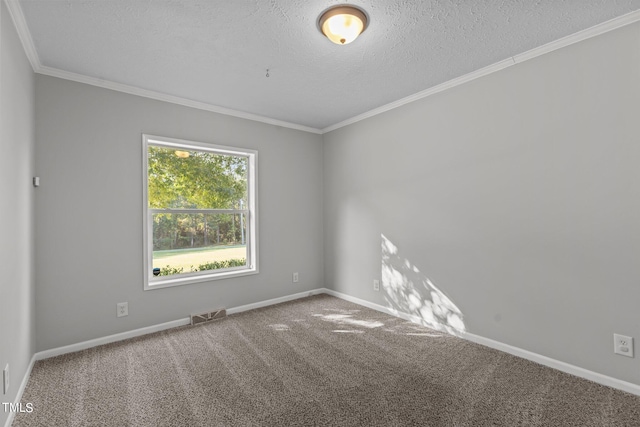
(409, 291)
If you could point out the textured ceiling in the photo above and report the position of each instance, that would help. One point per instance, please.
(217, 52)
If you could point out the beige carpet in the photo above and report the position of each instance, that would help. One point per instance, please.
(318, 361)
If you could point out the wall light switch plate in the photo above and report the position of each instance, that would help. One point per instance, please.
(376, 284)
(623, 345)
(295, 277)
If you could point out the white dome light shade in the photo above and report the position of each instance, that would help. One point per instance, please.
(343, 24)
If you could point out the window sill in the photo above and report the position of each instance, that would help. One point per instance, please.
(179, 281)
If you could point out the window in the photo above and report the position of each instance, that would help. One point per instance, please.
(199, 212)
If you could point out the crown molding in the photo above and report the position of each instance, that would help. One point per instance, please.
(132, 90)
(425, 93)
(15, 11)
(596, 30)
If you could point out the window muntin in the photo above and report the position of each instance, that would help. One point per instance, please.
(200, 212)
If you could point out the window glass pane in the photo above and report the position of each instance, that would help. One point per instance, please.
(193, 179)
(188, 243)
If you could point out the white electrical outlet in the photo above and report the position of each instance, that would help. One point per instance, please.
(122, 309)
(295, 277)
(623, 345)
(5, 379)
(376, 284)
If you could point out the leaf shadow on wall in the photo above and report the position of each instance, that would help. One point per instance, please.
(408, 291)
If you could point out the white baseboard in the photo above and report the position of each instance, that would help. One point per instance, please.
(110, 338)
(23, 385)
(278, 300)
(525, 354)
(378, 307)
(161, 327)
(556, 364)
(543, 360)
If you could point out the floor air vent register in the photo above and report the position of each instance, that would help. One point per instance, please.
(197, 319)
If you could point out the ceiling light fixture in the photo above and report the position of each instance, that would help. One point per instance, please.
(342, 24)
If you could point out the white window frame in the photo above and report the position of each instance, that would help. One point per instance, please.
(251, 214)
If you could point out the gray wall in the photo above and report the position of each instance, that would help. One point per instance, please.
(16, 208)
(508, 207)
(89, 211)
